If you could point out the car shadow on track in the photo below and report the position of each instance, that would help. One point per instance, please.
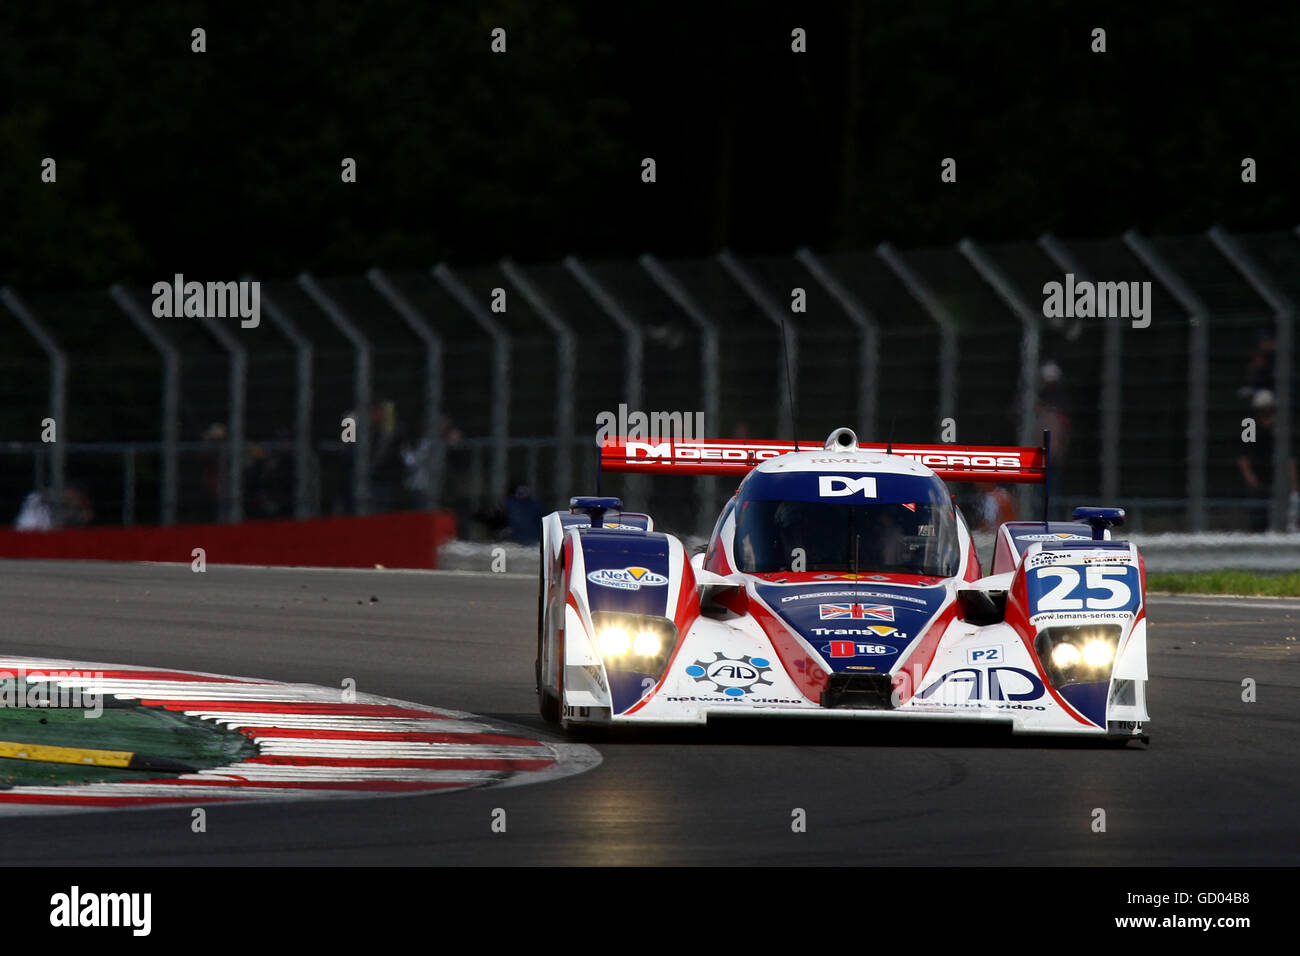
(778, 732)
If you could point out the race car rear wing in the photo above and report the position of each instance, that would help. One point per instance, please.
(1000, 463)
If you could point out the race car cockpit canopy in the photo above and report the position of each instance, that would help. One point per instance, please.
(810, 521)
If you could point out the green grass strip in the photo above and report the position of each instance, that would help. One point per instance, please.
(1254, 583)
(134, 728)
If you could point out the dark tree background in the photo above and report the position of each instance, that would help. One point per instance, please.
(228, 161)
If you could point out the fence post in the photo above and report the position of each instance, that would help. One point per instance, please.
(500, 372)
(789, 346)
(361, 389)
(1284, 312)
(433, 386)
(944, 319)
(566, 386)
(58, 395)
(1030, 347)
(670, 285)
(633, 354)
(142, 320)
(128, 488)
(633, 340)
(1198, 375)
(868, 339)
(233, 506)
(1111, 373)
(303, 359)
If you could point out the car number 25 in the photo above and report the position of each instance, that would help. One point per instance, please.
(1099, 588)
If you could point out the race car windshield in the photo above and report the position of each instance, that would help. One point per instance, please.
(909, 538)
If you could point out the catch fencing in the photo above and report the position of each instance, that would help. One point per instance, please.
(466, 385)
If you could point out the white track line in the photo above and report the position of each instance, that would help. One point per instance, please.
(1225, 601)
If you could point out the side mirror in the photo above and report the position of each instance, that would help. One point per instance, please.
(721, 600)
(720, 595)
(1101, 519)
(594, 508)
(981, 607)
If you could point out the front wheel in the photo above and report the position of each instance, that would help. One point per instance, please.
(548, 704)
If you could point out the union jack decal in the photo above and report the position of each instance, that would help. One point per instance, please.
(881, 612)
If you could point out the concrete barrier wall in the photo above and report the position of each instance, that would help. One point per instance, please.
(404, 539)
(1162, 552)
(1210, 552)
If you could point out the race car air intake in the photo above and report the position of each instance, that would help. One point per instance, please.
(859, 691)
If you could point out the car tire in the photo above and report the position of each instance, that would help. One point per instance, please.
(548, 704)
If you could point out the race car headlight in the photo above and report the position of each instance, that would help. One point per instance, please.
(614, 640)
(647, 644)
(1077, 655)
(1098, 653)
(1065, 655)
(634, 642)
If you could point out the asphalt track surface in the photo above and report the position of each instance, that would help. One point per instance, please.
(1216, 787)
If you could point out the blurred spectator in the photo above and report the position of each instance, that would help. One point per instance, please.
(457, 485)
(38, 511)
(417, 459)
(993, 506)
(493, 520)
(265, 483)
(1256, 462)
(35, 513)
(1259, 366)
(213, 472)
(523, 515)
(385, 462)
(517, 517)
(1053, 415)
(77, 511)
(385, 457)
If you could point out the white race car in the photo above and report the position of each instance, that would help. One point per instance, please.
(840, 582)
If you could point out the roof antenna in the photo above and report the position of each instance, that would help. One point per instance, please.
(1047, 473)
(789, 385)
(889, 448)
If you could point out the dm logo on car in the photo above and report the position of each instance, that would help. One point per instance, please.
(734, 677)
(629, 579)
